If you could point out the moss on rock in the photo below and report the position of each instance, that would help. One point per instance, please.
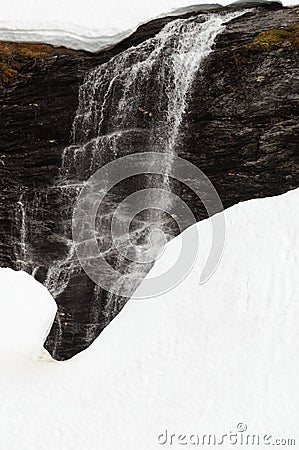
(7, 73)
(15, 55)
(287, 37)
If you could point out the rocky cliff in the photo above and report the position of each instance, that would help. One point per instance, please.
(240, 128)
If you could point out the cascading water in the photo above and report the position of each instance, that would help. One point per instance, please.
(25, 217)
(134, 103)
(21, 251)
(115, 96)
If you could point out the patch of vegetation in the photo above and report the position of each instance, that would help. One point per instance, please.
(13, 56)
(287, 37)
(7, 73)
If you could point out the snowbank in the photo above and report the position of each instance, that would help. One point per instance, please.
(90, 25)
(199, 360)
(27, 313)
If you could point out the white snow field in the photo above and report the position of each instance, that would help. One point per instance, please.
(203, 359)
(89, 25)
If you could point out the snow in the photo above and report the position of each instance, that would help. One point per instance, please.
(91, 24)
(200, 359)
(20, 305)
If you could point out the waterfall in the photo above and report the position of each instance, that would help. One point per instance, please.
(26, 214)
(21, 222)
(136, 102)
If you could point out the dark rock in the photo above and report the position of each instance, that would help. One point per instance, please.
(203, 8)
(256, 4)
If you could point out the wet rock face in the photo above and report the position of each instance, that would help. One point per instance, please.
(240, 128)
(242, 122)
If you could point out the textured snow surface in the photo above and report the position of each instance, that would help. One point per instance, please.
(200, 359)
(90, 24)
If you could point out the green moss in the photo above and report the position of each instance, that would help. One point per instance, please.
(10, 73)
(7, 73)
(15, 55)
(285, 37)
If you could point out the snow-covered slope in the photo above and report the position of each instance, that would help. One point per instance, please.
(91, 24)
(199, 360)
